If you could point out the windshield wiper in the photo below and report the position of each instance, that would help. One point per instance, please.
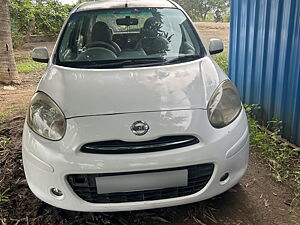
(145, 62)
(96, 65)
(123, 64)
(128, 63)
(186, 58)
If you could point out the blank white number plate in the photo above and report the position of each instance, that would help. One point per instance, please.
(142, 181)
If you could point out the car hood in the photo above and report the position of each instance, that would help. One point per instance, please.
(86, 92)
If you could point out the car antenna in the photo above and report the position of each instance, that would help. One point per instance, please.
(126, 4)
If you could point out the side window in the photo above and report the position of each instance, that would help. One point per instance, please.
(76, 38)
(189, 39)
(72, 44)
(65, 50)
(186, 36)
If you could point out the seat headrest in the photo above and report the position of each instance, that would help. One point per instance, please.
(151, 27)
(101, 32)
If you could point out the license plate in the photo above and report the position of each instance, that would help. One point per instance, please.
(142, 181)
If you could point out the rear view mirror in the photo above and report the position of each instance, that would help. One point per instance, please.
(215, 46)
(127, 21)
(40, 54)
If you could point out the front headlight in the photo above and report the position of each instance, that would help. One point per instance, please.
(46, 118)
(224, 105)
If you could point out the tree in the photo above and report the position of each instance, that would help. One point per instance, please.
(200, 8)
(38, 16)
(81, 1)
(50, 15)
(8, 70)
(22, 14)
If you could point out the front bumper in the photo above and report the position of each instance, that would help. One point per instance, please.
(48, 163)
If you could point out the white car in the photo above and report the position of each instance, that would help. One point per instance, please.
(132, 113)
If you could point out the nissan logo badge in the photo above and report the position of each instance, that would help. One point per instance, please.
(139, 128)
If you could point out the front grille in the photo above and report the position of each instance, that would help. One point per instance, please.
(84, 185)
(124, 147)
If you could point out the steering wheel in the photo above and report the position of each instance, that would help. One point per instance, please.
(102, 44)
(97, 54)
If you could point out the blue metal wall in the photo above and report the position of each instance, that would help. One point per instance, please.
(264, 60)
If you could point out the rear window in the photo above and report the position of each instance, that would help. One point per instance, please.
(131, 37)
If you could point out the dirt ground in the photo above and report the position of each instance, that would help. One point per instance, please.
(257, 200)
(17, 97)
(214, 30)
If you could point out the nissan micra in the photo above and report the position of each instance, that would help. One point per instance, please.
(132, 112)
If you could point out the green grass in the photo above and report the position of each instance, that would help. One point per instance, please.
(282, 159)
(29, 65)
(3, 116)
(222, 60)
(4, 197)
(4, 151)
(4, 141)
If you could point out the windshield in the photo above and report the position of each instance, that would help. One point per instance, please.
(130, 37)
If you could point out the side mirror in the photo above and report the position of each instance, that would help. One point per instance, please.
(215, 46)
(40, 54)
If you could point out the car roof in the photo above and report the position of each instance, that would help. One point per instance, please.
(114, 4)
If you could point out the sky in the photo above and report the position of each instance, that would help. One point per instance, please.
(68, 1)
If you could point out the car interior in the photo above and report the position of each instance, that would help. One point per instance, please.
(92, 39)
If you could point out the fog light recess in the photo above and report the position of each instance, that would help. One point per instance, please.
(57, 193)
(224, 179)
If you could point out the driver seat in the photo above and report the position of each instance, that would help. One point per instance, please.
(102, 37)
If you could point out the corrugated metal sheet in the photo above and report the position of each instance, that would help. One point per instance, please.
(264, 60)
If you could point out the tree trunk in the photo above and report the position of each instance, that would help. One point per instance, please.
(8, 70)
(205, 15)
(205, 11)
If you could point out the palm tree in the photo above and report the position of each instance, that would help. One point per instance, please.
(8, 70)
